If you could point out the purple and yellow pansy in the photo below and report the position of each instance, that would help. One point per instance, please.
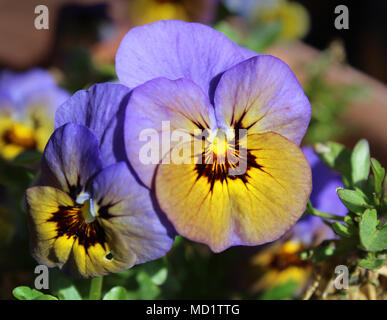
(197, 79)
(91, 217)
(28, 101)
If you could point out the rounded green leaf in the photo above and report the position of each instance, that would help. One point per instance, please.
(116, 293)
(372, 238)
(26, 293)
(360, 162)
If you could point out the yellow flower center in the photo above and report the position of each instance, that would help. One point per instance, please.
(220, 144)
(20, 135)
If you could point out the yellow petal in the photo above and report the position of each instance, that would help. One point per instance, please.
(250, 209)
(42, 204)
(100, 259)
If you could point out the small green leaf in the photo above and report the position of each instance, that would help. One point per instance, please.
(360, 162)
(371, 238)
(26, 293)
(160, 277)
(116, 293)
(148, 290)
(348, 220)
(69, 293)
(341, 229)
(337, 157)
(372, 262)
(328, 249)
(379, 174)
(354, 200)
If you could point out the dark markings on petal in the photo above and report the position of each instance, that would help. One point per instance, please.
(11, 136)
(221, 171)
(103, 212)
(70, 223)
(76, 189)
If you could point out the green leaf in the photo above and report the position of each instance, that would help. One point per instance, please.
(328, 249)
(341, 229)
(372, 238)
(26, 293)
(372, 262)
(349, 221)
(360, 162)
(354, 200)
(147, 290)
(116, 293)
(379, 174)
(69, 293)
(46, 297)
(337, 157)
(160, 277)
(281, 292)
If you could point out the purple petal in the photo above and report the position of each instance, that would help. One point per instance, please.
(262, 94)
(175, 49)
(71, 158)
(126, 208)
(99, 108)
(36, 86)
(323, 197)
(325, 183)
(181, 102)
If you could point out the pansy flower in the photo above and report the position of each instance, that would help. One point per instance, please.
(28, 101)
(92, 217)
(254, 113)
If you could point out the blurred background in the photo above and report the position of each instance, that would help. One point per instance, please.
(342, 71)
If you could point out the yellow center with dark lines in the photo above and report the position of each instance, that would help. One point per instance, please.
(224, 158)
(79, 222)
(20, 135)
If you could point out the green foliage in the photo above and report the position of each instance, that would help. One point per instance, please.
(363, 232)
(281, 292)
(69, 293)
(354, 200)
(337, 157)
(259, 38)
(372, 237)
(360, 163)
(329, 100)
(26, 293)
(116, 293)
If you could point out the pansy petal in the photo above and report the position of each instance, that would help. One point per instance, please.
(175, 49)
(36, 87)
(325, 182)
(262, 94)
(125, 208)
(48, 247)
(99, 108)
(95, 260)
(250, 209)
(71, 157)
(178, 105)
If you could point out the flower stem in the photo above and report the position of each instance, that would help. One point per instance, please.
(324, 215)
(95, 288)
